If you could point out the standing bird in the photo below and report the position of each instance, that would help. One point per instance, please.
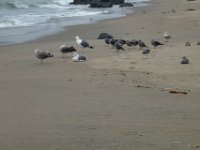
(113, 41)
(79, 58)
(129, 43)
(184, 60)
(107, 40)
(134, 42)
(42, 55)
(122, 41)
(155, 43)
(167, 36)
(64, 49)
(119, 46)
(83, 43)
(141, 44)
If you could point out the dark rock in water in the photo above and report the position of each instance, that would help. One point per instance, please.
(187, 43)
(84, 2)
(117, 1)
(100, 3)
(104, 36)
(126, 5)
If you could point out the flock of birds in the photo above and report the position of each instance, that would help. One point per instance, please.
(115, 43)
(40, 54)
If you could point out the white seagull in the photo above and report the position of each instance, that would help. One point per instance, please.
(167, 36)
(83, 43)
(79, 58)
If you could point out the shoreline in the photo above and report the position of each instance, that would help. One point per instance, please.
(56, 26)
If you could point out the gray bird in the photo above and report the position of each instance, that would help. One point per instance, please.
(146, 51)
(64, 49)
(156, 43)
(42, 55)
(129, 43)
(107, 40)
(141, 44)
(119, 46)
(134, 42)
(112, 42)
(184, 60)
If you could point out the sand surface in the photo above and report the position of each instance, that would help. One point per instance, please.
(113, 101)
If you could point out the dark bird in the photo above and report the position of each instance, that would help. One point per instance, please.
(141, 44)
(107, 40)
(155, 43)
(42, 55)
(113, 41)
(184, 60)
(146, 51)
(122, 41)
(119, 46)
(134, 42)
(83, 43)
(64, 49)
(129, 43)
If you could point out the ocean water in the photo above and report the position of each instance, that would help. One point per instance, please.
(22, 20)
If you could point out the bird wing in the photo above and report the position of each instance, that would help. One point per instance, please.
(84, 43)
(41, 55)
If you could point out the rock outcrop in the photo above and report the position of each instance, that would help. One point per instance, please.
(98, 3)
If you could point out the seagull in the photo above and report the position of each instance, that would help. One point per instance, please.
(134, 42)
(79, 58)
(146, 51)
(118, 46)
(141, 44)
(83, 43)
(155, 43)
(167, 36)
(113, 41)
(122, 41)
(42, 55)
(129, 43)
(64, 49)
(107, 41)
(184, 60)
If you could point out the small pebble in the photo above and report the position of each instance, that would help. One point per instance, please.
(187, 43)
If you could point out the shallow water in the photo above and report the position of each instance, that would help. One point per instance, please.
(23, 20)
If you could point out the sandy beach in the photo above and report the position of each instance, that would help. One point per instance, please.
(113, 101)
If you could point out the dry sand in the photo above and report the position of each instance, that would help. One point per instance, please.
(114, 101)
